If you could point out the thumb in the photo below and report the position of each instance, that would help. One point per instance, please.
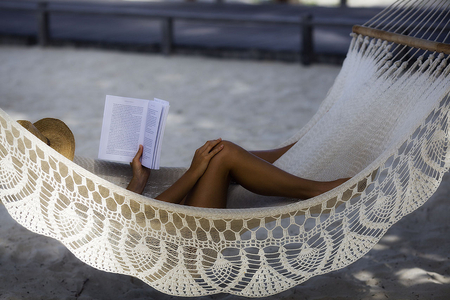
(140, 150)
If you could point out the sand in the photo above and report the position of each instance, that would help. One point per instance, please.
(255, 104)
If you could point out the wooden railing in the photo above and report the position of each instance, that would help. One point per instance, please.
(306, 23)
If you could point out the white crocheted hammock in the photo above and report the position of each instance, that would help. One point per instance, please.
(384, 123)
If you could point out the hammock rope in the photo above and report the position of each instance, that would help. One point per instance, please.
(385, 123)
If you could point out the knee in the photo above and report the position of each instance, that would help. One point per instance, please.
(229, 151)
(230, 148)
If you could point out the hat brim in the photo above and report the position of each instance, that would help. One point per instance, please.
(59, 135)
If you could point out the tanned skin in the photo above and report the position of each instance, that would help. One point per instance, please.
(216, 163)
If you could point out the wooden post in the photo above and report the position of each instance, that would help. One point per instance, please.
(307, 52)
(166, 35)
(43, 24)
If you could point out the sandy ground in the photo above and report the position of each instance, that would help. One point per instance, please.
(256, 104)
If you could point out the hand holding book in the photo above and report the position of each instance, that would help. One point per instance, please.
(130, 122)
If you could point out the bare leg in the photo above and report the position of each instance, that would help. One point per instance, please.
(254, 174)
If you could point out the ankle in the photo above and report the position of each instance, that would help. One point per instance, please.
(325, 186)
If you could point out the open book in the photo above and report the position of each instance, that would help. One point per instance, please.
(128, 123)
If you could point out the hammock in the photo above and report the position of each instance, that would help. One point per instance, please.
(384, 123)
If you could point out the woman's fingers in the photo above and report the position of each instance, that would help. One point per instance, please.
(214, 143)
(206, 148)
(211, 148)
(214, 151)
(203, 156)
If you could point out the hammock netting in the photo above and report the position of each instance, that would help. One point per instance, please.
(385, 123)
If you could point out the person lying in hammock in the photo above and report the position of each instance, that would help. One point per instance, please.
(216, 163)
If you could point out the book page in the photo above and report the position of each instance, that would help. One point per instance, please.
(160, 135)
(151, 132)
(122, 130)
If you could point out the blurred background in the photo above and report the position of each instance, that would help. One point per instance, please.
(351, 3)
(305, 31)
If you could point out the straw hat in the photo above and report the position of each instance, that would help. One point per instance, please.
(54, 133)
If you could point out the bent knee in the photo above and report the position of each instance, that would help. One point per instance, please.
(230, 148)
(228, 152)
